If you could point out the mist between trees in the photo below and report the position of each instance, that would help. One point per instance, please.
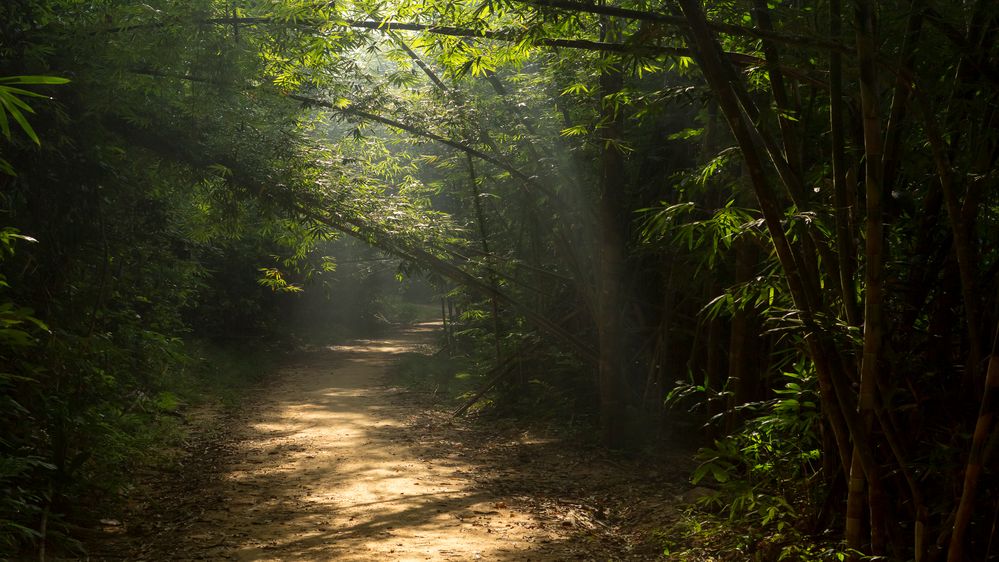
(778, 221)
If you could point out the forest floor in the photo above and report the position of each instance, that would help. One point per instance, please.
(333, 461)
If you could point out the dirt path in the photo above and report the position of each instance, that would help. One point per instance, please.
(334, 463)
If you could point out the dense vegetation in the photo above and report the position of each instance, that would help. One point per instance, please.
(780, 216)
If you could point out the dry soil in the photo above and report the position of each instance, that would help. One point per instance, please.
(334, 462)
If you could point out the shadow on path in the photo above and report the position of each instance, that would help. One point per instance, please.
(334, 463)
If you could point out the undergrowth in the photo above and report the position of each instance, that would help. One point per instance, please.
(544, 393)
(761, 485)
(446, 379)
(123, 442)
(224, 373)
(700, 536)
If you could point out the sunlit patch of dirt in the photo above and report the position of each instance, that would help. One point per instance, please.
(334, 463)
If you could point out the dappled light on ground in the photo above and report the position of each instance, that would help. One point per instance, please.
(333, 462)
(326, 471)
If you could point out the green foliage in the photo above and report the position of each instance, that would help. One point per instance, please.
(446, 378)
(764, 471)
(275, 281)
(218, 373)
(21, 502)
(192, 178)
(131, 202)
(12, 104)
(696, 536)
(713, 236)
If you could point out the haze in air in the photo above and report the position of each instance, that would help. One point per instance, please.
(498, 280)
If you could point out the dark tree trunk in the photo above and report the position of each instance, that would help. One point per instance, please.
(610, 305)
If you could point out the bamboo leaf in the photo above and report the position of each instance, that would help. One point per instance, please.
(4, 123)
(22, 92)
(33, 80)
(28, 130)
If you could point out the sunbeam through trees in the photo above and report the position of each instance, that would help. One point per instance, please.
(767, 232)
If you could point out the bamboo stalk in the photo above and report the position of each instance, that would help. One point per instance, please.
(901, 93)
(844, 237)
(761, 13)
(973, 469)
(873, 280)
(484, 239)
(833, 392)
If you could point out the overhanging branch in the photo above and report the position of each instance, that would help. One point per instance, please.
(470, 150)
(678, 21)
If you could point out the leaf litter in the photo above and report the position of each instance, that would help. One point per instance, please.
(334, 462)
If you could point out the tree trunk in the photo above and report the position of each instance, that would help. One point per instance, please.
(611, 259)
(743, 375)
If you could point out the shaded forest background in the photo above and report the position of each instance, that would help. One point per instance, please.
(778, 217)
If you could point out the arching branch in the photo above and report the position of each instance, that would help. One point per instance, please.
(470, 150)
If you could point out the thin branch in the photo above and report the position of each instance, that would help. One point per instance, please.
(472, 151)
(678, 21)
(511, 36)
(419, 62)
(952, 34)
(356, 227)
